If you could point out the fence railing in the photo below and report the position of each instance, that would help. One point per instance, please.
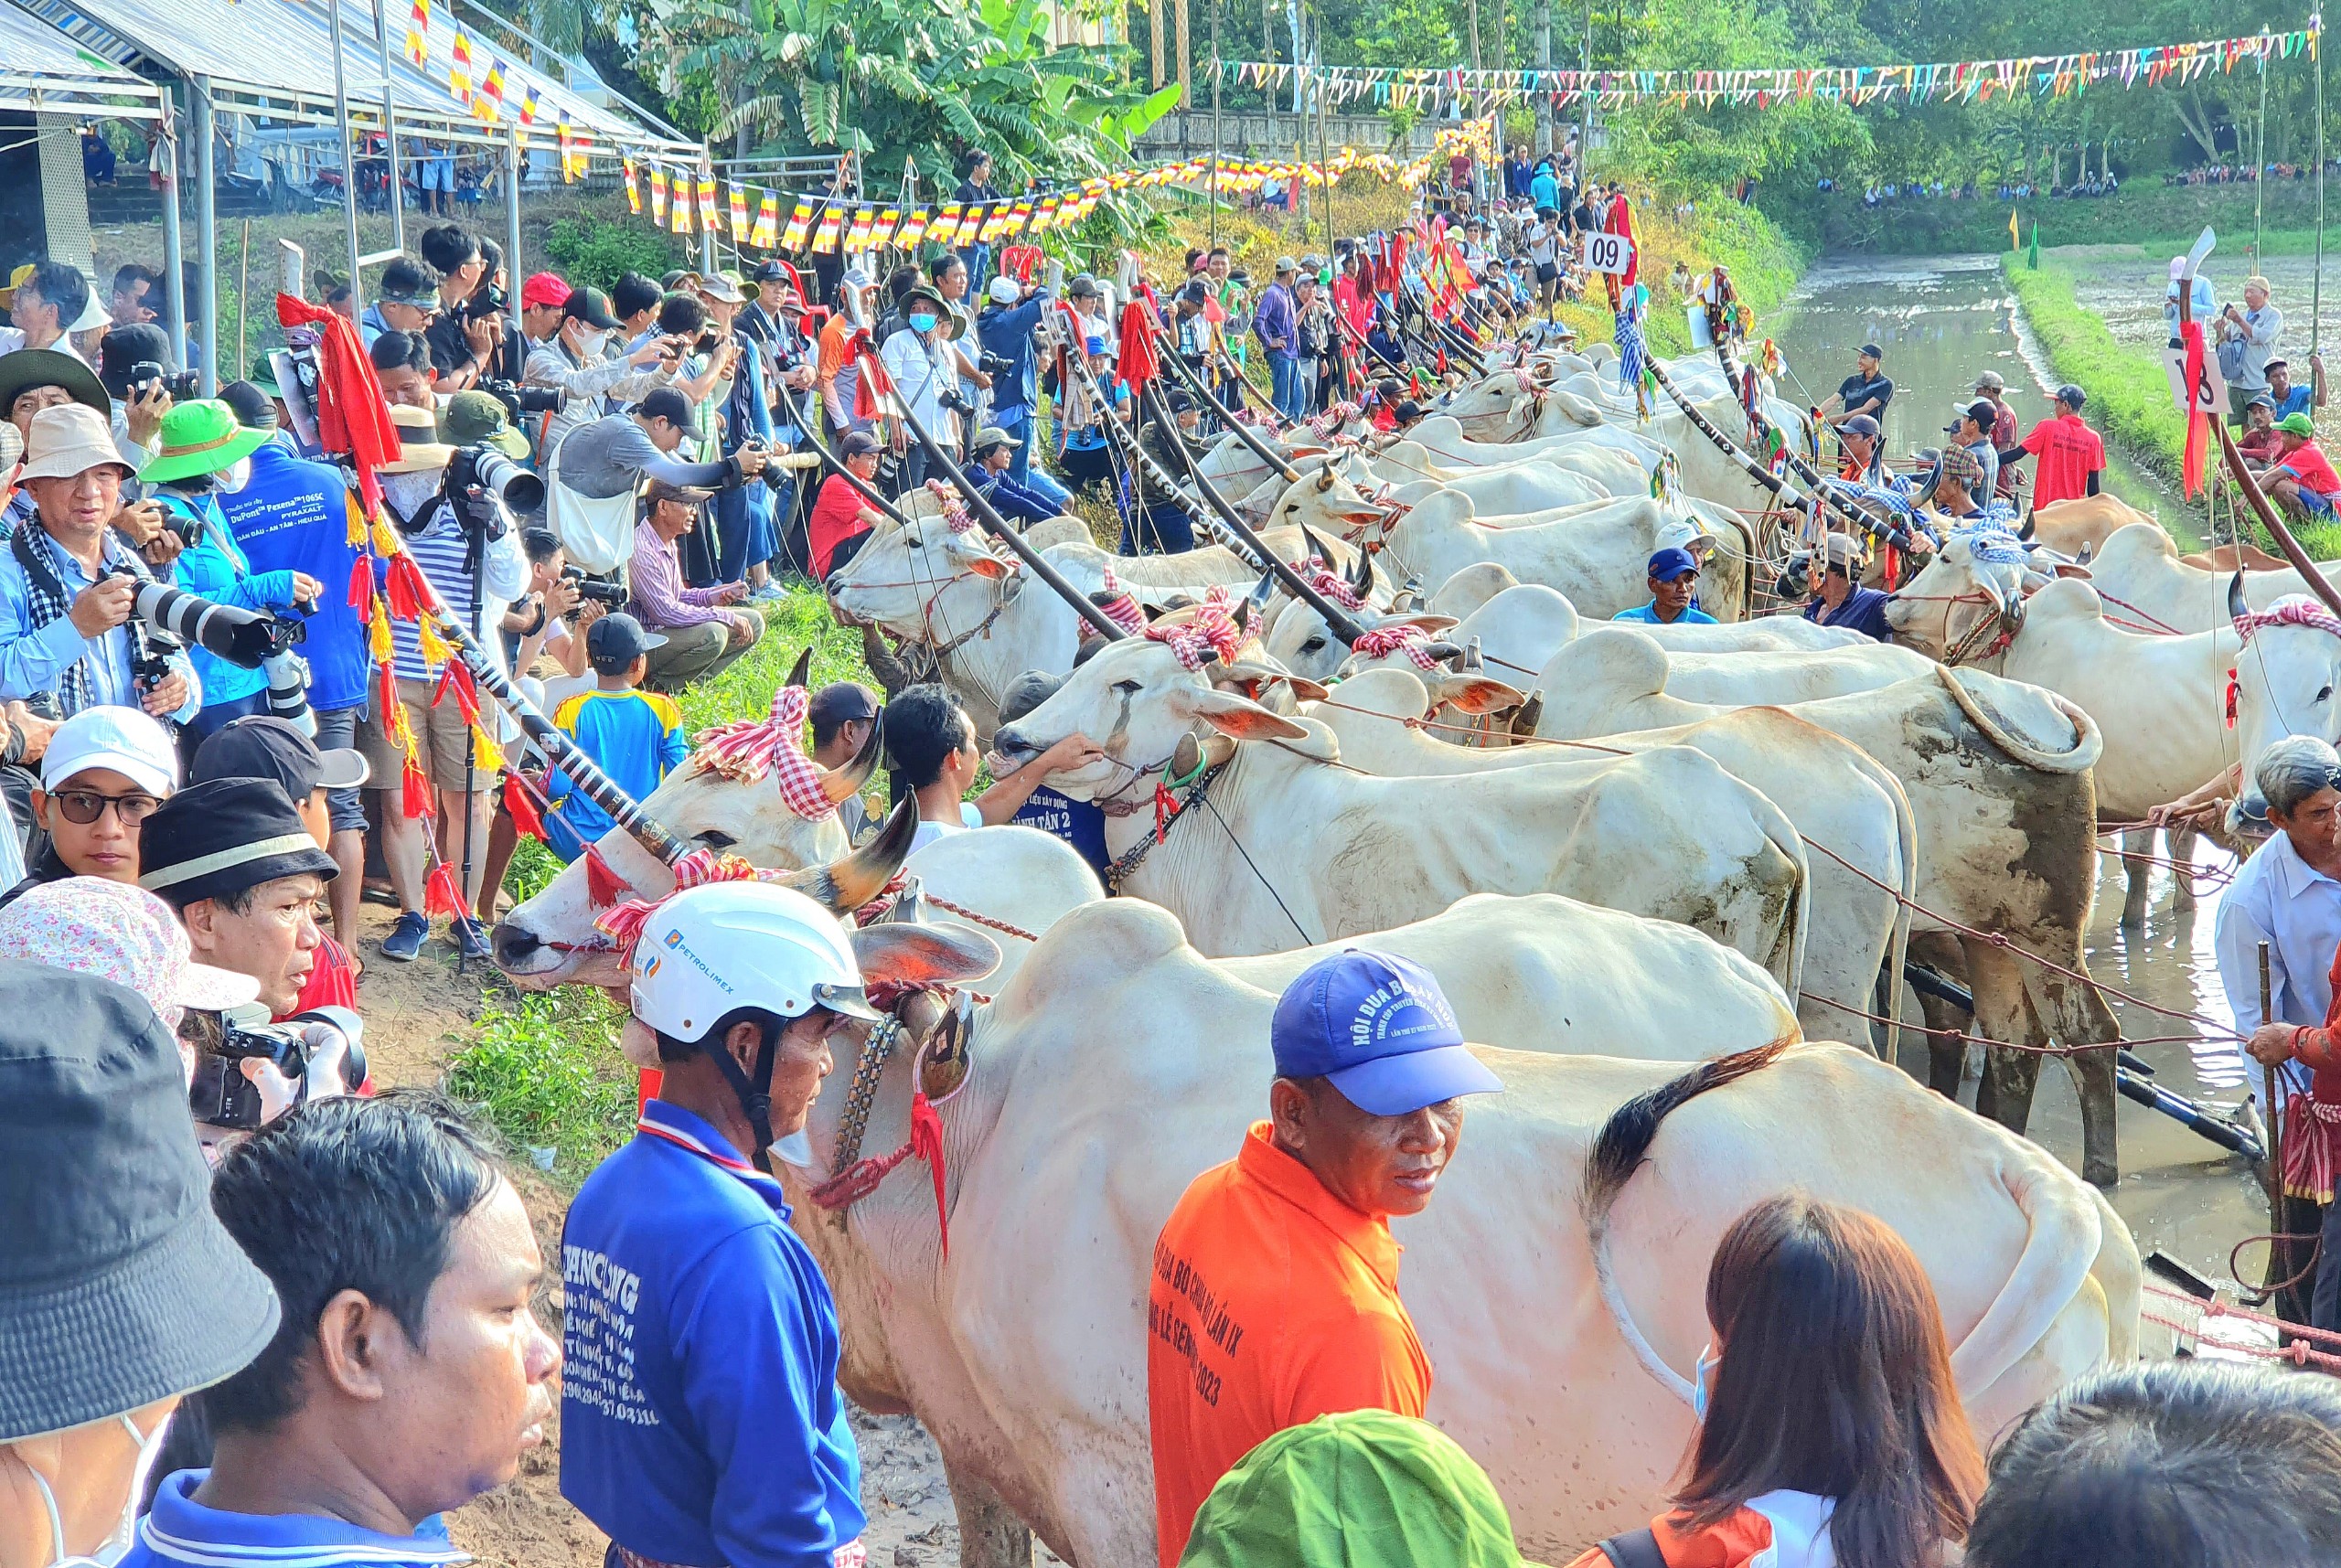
(1257, 134)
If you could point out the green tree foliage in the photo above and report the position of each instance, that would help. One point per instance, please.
(929, 79)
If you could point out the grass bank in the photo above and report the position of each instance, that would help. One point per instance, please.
(2144, 212)
(2129, 394)
(544, 1067)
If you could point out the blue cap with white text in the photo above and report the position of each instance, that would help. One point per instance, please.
(1380, 1028)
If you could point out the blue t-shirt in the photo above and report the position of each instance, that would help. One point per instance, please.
(182, 1533)
(2295, 402)
(635, 737)
(1544, 189)
(1078, 822)
(293, 515)
(1647, 615)
(1863, 611)
(701, 1421)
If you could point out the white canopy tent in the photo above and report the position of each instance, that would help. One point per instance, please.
(42, 71)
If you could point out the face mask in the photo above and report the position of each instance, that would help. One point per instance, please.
(591, 341)
(796, 1149)
(118, 1540)
(235, 477)
(1702, 1377)
(922, 323)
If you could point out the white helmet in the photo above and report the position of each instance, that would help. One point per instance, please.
(711, 950)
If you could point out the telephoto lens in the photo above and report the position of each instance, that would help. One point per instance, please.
(288, 691)
(245, 637)
(483, 468)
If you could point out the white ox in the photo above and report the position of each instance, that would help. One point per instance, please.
(1998, 778)
(1836, 794)
(1120, 1063)
(1280, 846)
(2160, 700)
(2147, 588)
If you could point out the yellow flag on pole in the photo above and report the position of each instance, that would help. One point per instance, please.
(2016, 234)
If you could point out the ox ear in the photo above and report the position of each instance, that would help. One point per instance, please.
(1253, 676)
(1241, 719)
(978, 560)
(1473, 693)
(844, 886)
(1427, 619)
(2238, 607)
(802, 670)
(922, 955)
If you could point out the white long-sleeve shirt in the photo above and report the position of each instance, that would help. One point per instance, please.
(2279, 899)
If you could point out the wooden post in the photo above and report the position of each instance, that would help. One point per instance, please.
(1217, 126)
(1154, 34)
(1186, 62)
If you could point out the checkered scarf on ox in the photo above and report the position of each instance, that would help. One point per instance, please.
(1209, 632)
(2291, 610)
(746, 751)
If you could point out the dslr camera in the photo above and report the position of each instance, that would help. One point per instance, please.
(612, 594)
(520, 401)
(319, 1055)
(950, 398)
(146, 374)
(248, 639)
(486, 300)
(992, 364)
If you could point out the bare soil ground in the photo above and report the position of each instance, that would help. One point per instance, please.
(416, 1016)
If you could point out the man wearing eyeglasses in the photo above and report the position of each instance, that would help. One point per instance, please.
(106, 772)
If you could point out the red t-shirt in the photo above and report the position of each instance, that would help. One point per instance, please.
(2308, 466)
(331, 982)
(2069, 453)
(836, 518)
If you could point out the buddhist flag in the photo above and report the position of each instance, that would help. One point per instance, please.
(824, 237)
(527, 106)
(972, 224)
(488, 103)
(633, 191)
(711, 219)
(739, 199)
(1046, 217)
(766, 235)
(418, 33)
(857, 237)
(945, 227)
(1021, 220)
(459, 73)
(657, 195)
(882, 233)
(577, 155)
(682, 202)
(914, 225)
(799, 220)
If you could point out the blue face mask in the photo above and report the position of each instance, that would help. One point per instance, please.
(922, 323)
(1702, 1376)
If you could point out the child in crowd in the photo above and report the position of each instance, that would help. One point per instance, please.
(634, 736)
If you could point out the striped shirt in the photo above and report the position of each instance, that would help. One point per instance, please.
(438, 550)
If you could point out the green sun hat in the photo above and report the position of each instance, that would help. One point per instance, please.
(1367, 1488)
(473, 417)
(2297, 424)
(263, 375)
(201, 437)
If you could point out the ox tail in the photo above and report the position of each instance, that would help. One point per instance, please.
(2063, 1236)
(2088, 746)
(1618, 1150)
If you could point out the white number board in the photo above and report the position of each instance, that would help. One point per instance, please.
(1610, 253)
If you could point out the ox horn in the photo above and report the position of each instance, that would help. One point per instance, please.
(1242, 619)
(802, 670)
(1316, 550)
(1363, 581)
(1472, 656)
(845, 885)
(842, 785)
(2237, 605)
(1325, 477)
(1525, 718)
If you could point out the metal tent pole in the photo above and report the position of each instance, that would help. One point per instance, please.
(707, 231)
(2317, 279)
(348, 162)
(1217, 123)
(2259, 170)
(389, 123)
(512, 271)
(207, 233)
(174, 242)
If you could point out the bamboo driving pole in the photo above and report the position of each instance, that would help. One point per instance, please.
(2317, 279)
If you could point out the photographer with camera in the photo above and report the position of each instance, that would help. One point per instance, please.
(403, 364)
(553, 615)
(233, 858)
(69, 586)
(471, 555)
(634, 300)
(404, 301)
(469, 328)
(131, 366)
(743, 540)
(207, 454)
(591, 483)
(1006, 329)
(570, 360)
(925, 368)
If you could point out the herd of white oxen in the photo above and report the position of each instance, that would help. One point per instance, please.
(1625, 851)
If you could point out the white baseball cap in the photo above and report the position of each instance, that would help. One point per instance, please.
(1004, 291)
(124, 738)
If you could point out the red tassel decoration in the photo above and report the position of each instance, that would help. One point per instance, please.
(927, 1142)
(415, 791)
(361, 585)
(408, 591)
(457, 679)
(525, 818)
(442, 894)
(603, 885)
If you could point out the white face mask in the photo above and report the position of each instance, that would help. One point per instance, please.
(117, 1541)
(235, 477)
(794, 1149)
(591, 339)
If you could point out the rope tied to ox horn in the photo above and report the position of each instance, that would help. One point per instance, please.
(1409, 640)
(1211, 632)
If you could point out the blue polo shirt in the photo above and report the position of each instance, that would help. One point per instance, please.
(700, 1422)
(182, 1533)
(1863, 611)
(1648, 615)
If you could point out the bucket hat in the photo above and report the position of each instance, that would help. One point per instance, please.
(30, 367)
(201, 437)
(419, 450)
(66, 440)
(118, 1289)
(122, 933)
(473, 417)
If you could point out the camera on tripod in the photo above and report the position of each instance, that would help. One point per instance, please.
(610, 593)
(520, 401)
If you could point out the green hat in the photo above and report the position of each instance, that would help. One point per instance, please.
(471, 417)
(201, 437)
(2297, 424)
(263, 375)
(1367, 1488)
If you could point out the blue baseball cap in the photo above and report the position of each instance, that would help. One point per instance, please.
(1380, 1028)
(1671, 562)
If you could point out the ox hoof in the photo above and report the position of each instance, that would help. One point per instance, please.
(2102, 1174)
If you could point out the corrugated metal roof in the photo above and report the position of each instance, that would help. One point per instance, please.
(275, 57)
(42, 69)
